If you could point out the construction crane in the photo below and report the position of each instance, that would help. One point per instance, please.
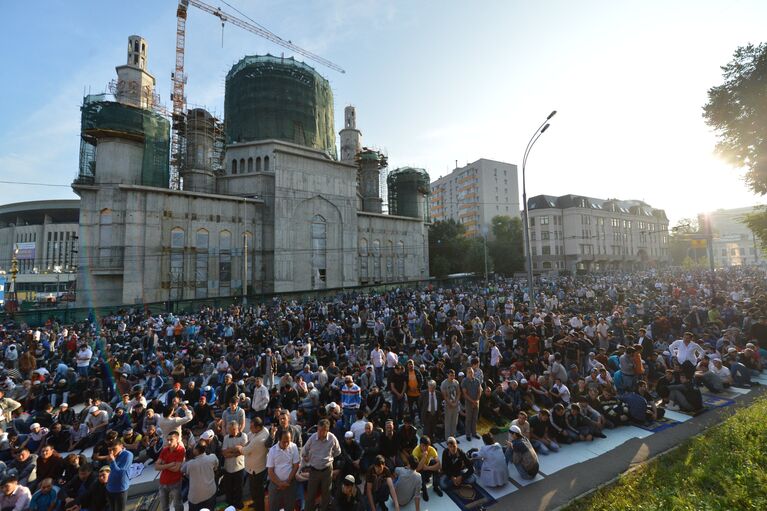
(179, 77)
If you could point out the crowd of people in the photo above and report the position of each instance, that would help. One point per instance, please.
(338, 403)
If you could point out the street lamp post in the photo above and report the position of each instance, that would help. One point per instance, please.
(485, 231)
(528, 249)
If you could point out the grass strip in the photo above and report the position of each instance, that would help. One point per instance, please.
(724, 468)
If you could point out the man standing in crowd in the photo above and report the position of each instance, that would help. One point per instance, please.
(234, 464)
(472, 391)
(201, 471)
(169, 463)
(451, 392)
(318, 454)
(120, 460)
(255, 452)
(282, 463)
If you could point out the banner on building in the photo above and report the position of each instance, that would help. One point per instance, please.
(24, 250)
(698, 243)
(2, 289)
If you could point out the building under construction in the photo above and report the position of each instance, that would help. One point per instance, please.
(258, 203)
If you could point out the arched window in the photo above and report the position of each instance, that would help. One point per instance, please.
(105, 236)
(319, 244)
(177, 241)
(234, 166)
(248, 238)
(266, 164)
(401, 259)
(201, 244)
(242, 165)
(363, 259)
(389, 259)
(258, 164)
(224, 263)
(250, 164)
(377, 260)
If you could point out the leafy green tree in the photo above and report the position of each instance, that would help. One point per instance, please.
(506, 249)
(679, 240)
(737, 111)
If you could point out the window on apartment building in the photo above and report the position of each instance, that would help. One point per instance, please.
(546, 250)
(544, 220)
(532, 221)
(532, 235)
(534, 251)
(545, 235)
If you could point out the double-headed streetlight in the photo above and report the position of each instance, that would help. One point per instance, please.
(528, 249)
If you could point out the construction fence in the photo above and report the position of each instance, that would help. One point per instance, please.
(39, 317)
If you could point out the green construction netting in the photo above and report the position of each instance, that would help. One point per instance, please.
(101, 116)
(272, 97)
(408, 188)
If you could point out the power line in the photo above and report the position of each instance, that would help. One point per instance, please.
(27, 183)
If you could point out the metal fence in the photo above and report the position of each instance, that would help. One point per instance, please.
(38, 317)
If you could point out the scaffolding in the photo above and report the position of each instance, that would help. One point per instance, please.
(103, 117)
(200, 123)
(271, 97)
(408, 188)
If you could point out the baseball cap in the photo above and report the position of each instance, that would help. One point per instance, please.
(515, 429)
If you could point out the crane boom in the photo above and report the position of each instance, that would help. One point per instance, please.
(179, 78)
(266, 34)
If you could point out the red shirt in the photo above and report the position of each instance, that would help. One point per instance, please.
(171, 456)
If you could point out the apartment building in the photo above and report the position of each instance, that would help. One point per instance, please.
(474, 194)
(581, 234)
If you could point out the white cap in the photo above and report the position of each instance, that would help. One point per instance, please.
(349, 434)
(35, 426)
(206, 435)
(64, 405)
(230, 508)
(93, 409)
(515, 429)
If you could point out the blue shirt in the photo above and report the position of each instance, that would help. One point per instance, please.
(118, 481)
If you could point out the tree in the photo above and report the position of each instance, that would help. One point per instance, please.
(450, 251)
(506, 250)
(679, 240)
(737, 111)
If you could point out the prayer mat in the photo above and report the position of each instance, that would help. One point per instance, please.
(658, 425)
(470, 497)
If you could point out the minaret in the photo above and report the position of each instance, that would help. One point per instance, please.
(135, 86)
(351, 137)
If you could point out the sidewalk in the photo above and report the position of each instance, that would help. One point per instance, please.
(581, 476)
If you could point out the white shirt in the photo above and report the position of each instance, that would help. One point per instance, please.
(255, 452)
(358, 428)
(495, 356)
(282, 460)
(686, 352)
(391, 359)
(723, 373)
(84, 357)
(376, 358)
(260, 398)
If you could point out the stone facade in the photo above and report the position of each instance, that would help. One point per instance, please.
(297, 210)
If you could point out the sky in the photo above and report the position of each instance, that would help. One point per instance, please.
(434, 82)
